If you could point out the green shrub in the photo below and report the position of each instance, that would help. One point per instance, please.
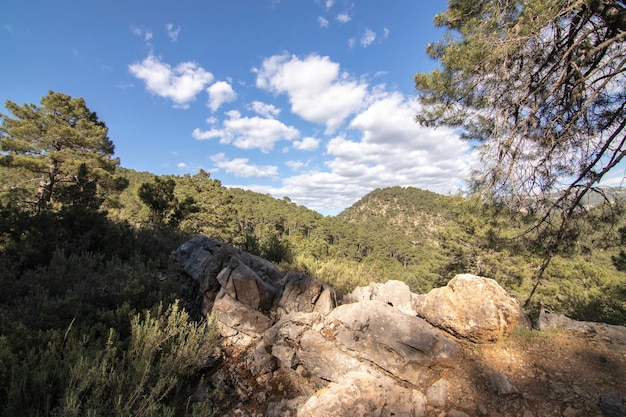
(152, 378)
(153, 373)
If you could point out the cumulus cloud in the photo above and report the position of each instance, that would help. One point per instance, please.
(295, 165)
(241, 167)
(317, 91)
(249, 132)
(383, 147)
(322, 22)
(329, 4)
(180, 84)
(264, 109)
(306, 144)
(368, 37)
(172, 32)
(219, 93)
(343, 17)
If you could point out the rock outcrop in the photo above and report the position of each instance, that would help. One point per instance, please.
(246, 293)
(394, 293)
(290, 327)
(617, 334)
(291, 350)
(470, 307)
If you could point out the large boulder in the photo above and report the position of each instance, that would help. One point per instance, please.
(471, 307)
(244, 285)
(203, 259)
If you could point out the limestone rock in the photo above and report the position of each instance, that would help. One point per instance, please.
(357, 337)
(241, 283)
(286, 407)
(301, 339)
(245, 292)
(501, 383)
(240, 317)
(402, 345)
(617, 334)
(364, 395)
(394, 293)
(437, 393)
(471, 307)
(305, 294)
(203, 259)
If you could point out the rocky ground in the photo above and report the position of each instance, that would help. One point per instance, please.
(551, 373)
(466, 349)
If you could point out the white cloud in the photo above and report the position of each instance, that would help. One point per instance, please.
(329, 4)
(389, 149)
(200, 134)
(294, 165)
(264, 109)
(351, 43)
(307, 144)
(385, 33)
(241, 167)
(182, 165)
(181, 84)
(343, 17)
(146, 34)
(368, 37)
(317, 91)
(219, 93)
(322, 22)
(249, 132)
(172, 32)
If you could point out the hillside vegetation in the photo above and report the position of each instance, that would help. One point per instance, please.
(93, 319)
(86, 286)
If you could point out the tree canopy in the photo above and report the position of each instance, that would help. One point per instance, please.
(54, 140)
(540, 87)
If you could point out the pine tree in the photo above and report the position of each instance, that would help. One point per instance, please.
(52, 141)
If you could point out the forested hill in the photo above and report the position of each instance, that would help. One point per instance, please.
(416, 212)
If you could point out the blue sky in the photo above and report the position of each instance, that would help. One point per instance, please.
(310, 99)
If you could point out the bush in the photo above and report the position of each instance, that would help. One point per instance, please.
(153, 373)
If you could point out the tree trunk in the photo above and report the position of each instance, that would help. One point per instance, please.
(46, 185)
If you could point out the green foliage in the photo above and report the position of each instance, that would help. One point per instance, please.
(165, 207)
(344, 276)
(152, 378)
(539, 86)
(54, 142)
(152, 373)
